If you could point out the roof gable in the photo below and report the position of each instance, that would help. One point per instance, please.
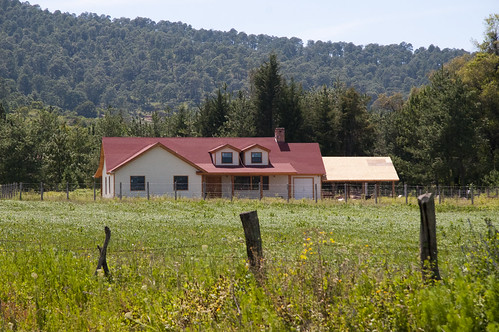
(255, 146)
(223, 146)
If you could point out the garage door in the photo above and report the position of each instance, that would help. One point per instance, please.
(303, 188)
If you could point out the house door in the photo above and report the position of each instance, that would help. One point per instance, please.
(213, 186)
(303, 188)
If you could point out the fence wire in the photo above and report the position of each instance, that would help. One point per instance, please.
(327, 191)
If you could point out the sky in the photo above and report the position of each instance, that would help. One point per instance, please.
(442, 23)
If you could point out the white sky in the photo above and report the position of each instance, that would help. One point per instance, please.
(443, 23)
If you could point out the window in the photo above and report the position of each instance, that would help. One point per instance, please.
(137, 183)
(250, 182)
(256, 157)
(226, 157)
(180, 182)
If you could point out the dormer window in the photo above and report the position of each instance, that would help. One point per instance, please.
(226, 157)
(256, 157)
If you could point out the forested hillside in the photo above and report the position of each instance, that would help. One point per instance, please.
(83, 63)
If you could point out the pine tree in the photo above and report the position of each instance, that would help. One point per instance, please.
(267, 87)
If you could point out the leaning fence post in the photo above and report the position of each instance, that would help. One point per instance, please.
(103, 251)
(428, 238)
(67, 190)
(251, 228)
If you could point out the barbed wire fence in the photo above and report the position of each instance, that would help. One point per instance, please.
(328, 191)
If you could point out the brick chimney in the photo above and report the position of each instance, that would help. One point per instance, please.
(279, 135)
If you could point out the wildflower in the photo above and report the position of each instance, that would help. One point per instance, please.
(330, 239)
(128, 315)
(34, 275)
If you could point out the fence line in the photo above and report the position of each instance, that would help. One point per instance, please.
(329, 191)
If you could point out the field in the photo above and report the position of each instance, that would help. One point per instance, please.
(182, 264)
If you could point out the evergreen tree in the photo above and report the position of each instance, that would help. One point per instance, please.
(267, 88)
(240, 120)
(290, 111)
(213, 113)
(322, 120)
(356, 135)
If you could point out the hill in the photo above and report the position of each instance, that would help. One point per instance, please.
(81, 63)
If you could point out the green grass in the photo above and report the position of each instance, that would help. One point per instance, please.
(182, 265)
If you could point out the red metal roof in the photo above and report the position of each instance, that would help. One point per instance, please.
(284, 158)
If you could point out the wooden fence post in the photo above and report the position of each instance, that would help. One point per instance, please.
(289, 191)
(472, 195)
(439, 195)
(376, 193)
(346, 192)
(428, 238)
(67, 190)
(41, 191)
(316, 193)
(148, 196)
(103, 251)
(251, 228)
(121, 191)
(405, 193)
(21, 191)
(95, 196)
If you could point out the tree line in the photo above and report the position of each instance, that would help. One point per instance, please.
(85, 63)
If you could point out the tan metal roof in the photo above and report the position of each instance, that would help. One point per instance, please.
(359, 169)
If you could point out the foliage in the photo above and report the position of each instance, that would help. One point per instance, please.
(182, 265)
(82, 63)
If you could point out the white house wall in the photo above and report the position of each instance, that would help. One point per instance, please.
(159, 167)
(107, 183)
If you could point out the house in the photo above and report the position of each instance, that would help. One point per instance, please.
(359, 170)
(247, 167)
